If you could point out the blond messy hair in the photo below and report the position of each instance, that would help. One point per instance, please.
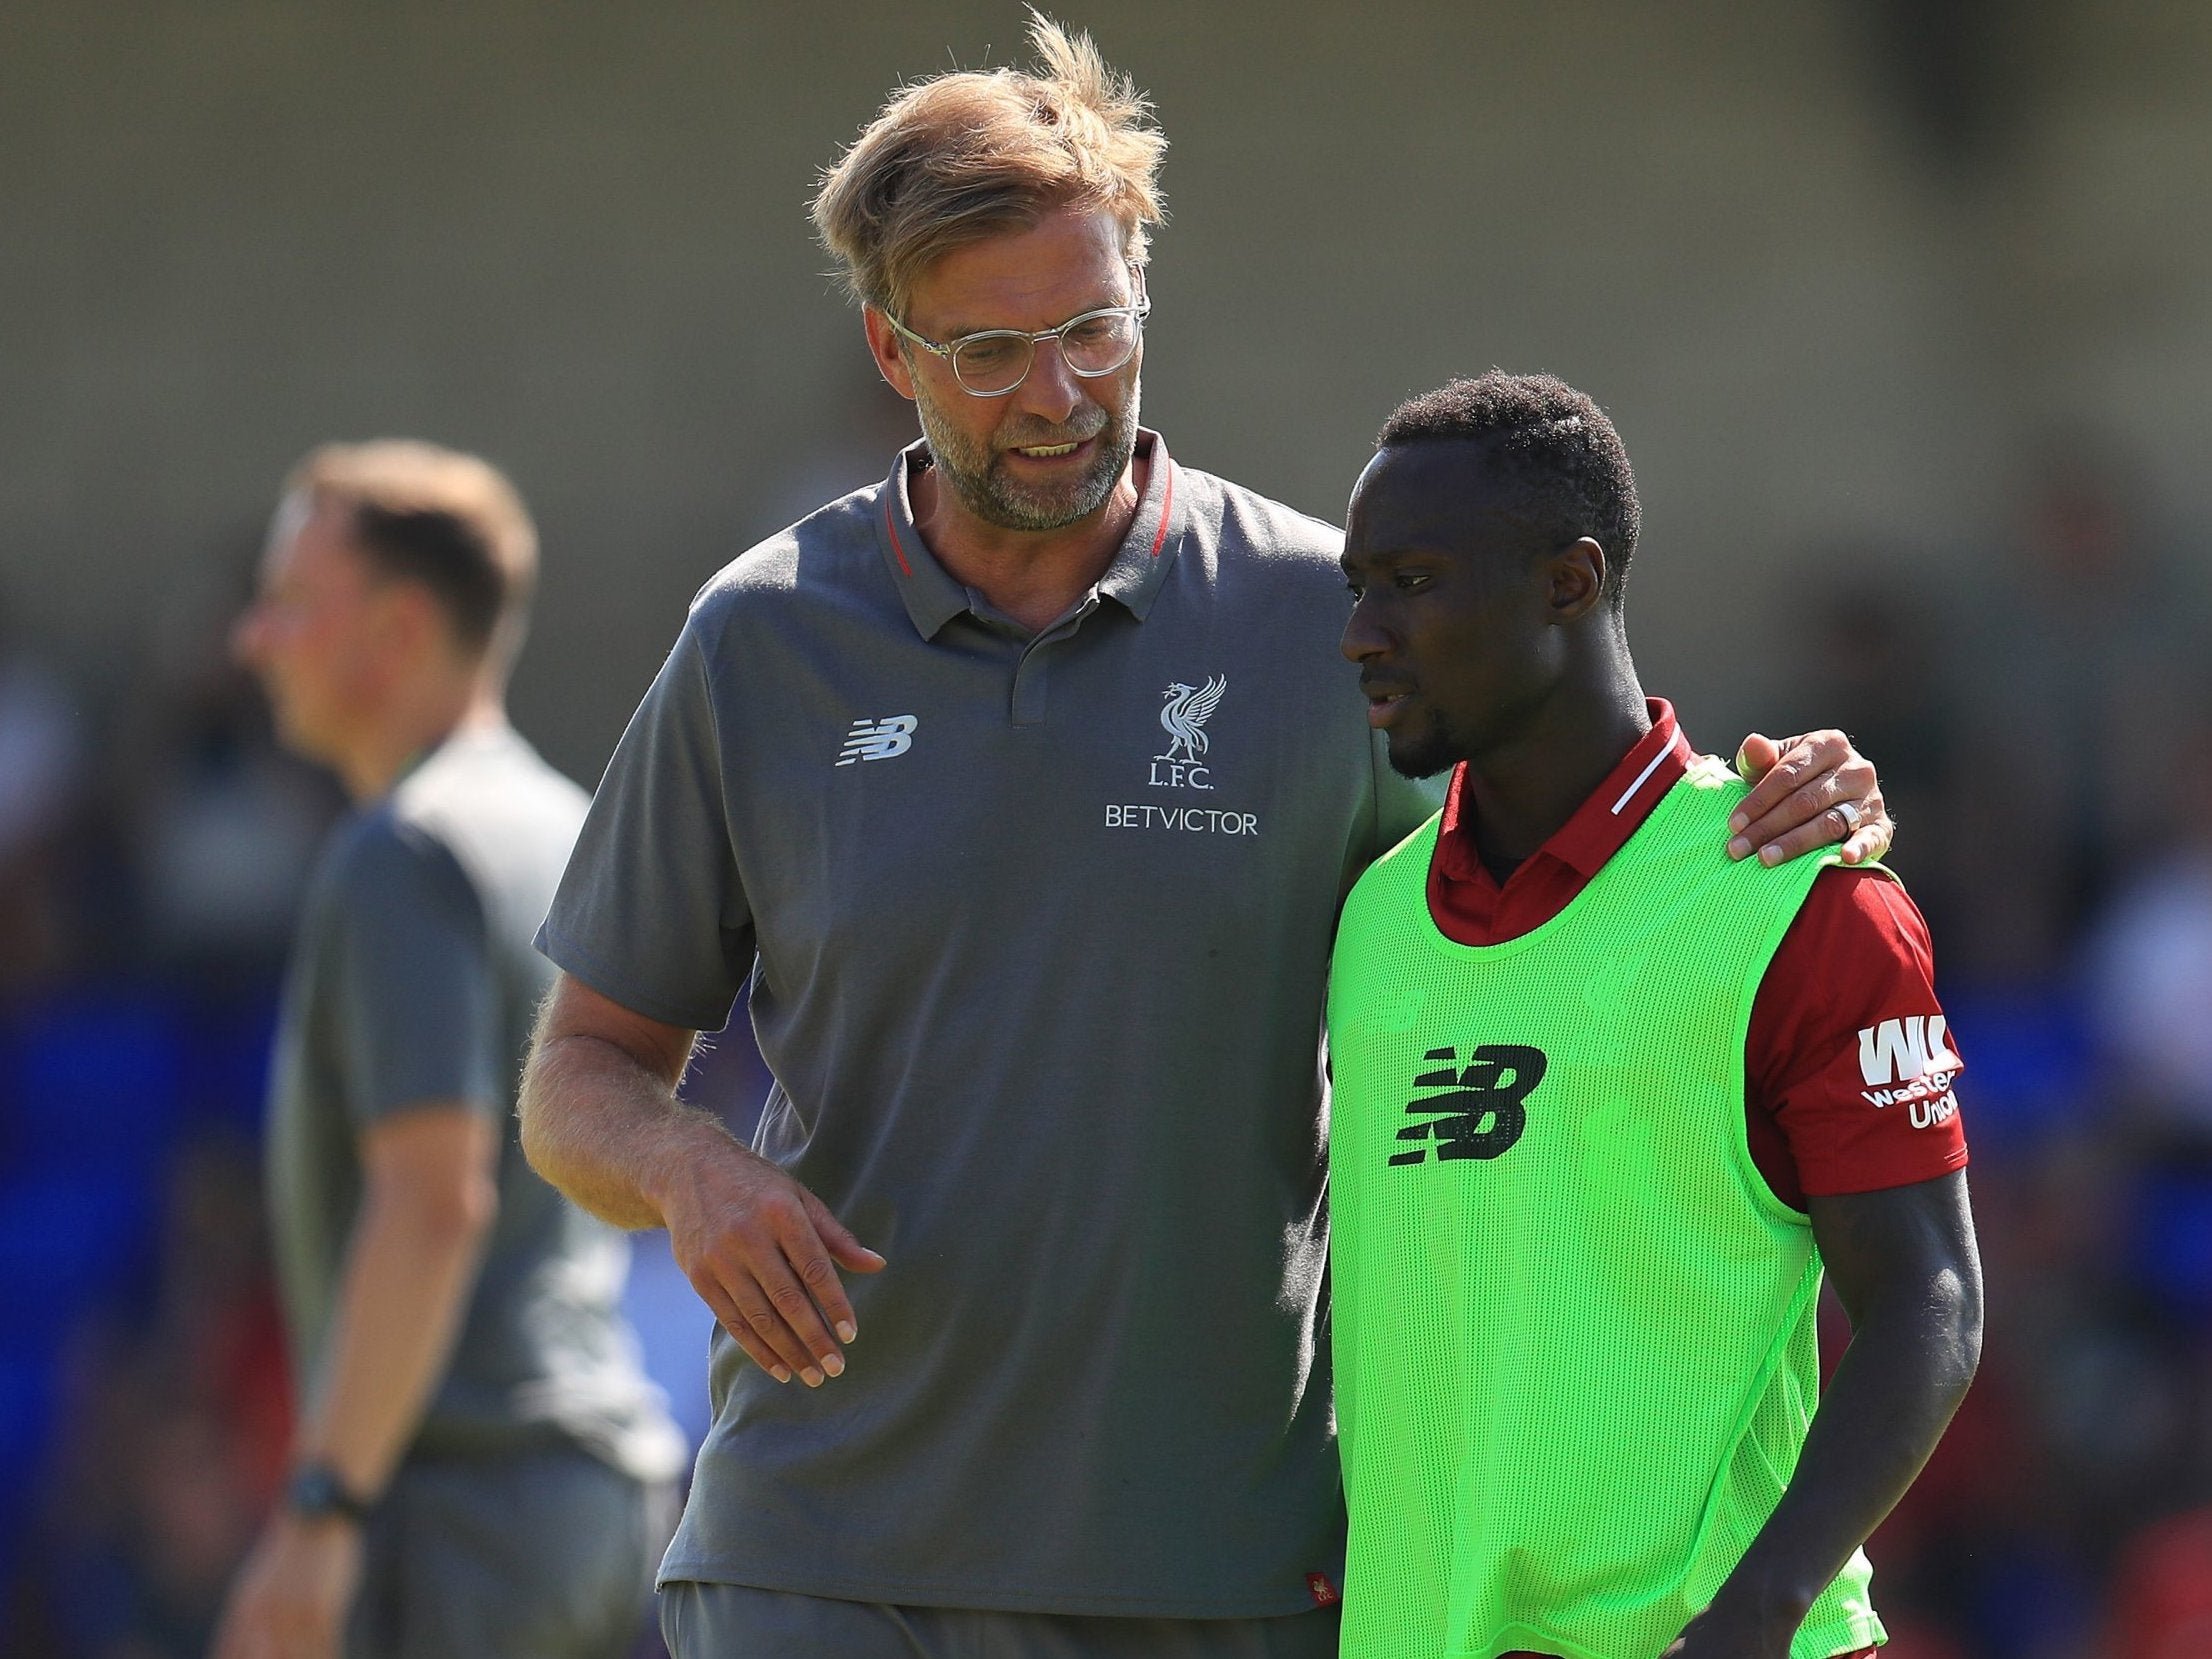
(447, 520)
(968, 155)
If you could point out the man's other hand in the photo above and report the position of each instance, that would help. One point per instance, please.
(763, 1253)
(601, 1121)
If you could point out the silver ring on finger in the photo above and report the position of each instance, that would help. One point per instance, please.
(1848, 814)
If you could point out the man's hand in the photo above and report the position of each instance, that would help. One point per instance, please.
(601, 1121)
(294, 1592)
(1806, 793)
(763, 1253)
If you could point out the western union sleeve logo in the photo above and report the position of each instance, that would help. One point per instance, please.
(1909, 1063)
(1898, 1051)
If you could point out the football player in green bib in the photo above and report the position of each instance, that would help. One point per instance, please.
(1607, 1104)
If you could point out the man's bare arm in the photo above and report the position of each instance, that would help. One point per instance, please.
(430, 1198)
(1905, 1264)
(600, 1117)
(428, 1202)
(601, 1121)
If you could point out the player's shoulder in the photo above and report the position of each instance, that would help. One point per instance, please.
(1874, 893)
(1855, 912)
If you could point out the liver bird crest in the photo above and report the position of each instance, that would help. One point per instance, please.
(1184, 717)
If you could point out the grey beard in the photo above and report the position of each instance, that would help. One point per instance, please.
(978, 493)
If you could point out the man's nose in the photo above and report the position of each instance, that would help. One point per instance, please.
(1053, 391)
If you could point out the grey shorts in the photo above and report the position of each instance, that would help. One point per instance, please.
(545, 1555)
(734, 1621)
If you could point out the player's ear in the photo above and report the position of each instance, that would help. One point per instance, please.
(1575, 575)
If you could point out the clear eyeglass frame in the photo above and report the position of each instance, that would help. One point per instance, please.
(952, 351)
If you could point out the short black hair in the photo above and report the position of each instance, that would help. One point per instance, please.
(1552, 445)
(447, 554)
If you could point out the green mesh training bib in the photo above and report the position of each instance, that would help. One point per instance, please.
(1575, 1350)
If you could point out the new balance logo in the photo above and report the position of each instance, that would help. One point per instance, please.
(1480, 1114)
(878, 739)
(1909, 1063)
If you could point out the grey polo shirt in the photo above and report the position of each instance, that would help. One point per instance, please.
(1034, 930)
(413, 981)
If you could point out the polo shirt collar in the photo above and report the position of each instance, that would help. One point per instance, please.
(1602, 824)
(1133, 578)
(1141, 563)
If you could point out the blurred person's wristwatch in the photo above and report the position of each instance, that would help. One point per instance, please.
(317, 1491)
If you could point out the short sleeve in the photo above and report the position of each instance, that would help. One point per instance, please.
(651, 911)
(412, 972)
(1850, 1063)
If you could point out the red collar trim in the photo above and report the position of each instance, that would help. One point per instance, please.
(1167, 508)
(891, 523)
(1601, 825)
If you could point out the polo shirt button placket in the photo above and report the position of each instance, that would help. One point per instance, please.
(1030, 668)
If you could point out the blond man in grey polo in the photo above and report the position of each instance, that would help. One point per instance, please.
(1016, 794)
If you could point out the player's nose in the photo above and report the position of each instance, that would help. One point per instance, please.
(1364, 636)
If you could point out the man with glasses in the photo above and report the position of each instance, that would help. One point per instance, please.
(995, 361)
(1018, 794)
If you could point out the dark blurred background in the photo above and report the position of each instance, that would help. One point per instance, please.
(1904, 308)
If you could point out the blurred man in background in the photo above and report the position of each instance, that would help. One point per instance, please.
(1018, 793)
(480, 1465)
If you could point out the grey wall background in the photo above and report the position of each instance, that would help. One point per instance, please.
(1833, 266)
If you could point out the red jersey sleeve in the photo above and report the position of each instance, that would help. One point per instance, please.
(1849, 1062)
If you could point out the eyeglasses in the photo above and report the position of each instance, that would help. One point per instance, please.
(994, 361)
